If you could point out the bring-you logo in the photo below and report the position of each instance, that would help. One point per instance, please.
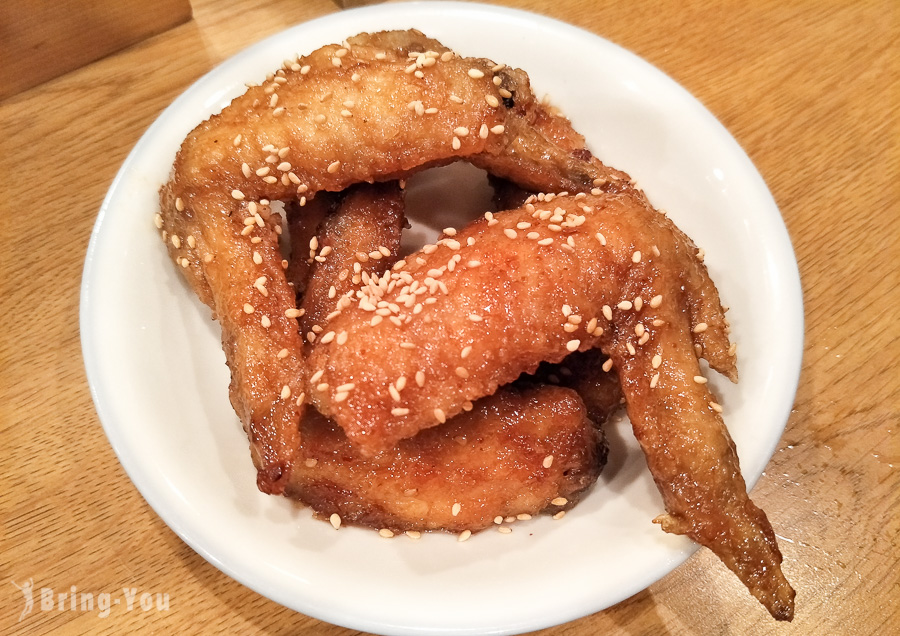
(128, 599)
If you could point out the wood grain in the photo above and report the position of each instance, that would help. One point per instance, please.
(809, 89)
(42, 39)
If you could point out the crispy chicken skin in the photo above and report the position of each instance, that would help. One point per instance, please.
(379, 109)
(336, 117)
(489, 462)
(362, 237)
(632, 284)
(492, 461)
(517, 280)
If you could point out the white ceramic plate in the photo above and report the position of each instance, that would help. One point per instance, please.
(159, 381)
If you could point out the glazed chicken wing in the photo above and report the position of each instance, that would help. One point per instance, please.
(630, 283)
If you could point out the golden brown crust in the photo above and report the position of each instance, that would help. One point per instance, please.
(504, 309)
(311, 127)
(514, 453)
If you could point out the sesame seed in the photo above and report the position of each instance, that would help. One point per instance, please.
(522, 516)
(440, 416)
(265, 322)
(465, 352)
(636, 257)
(413, 534)
(284, 166)
(317, 376)
(248, 308)
(607, 312)
(572, 345)
(654, 380)
(237, 194)
(630, 348)
(456, 144)
(638, 303)
(559, 501)
(340, 396)
(461, 131)
(639, 330)
(657, 360)
(334, 167)
(311, 462)
(607, 365)
(559, 515)
(545, 241)
(656, 301)
(455, 509)
(716, 407)
(322, 387)
(699, 379)
(498, 129)
(491, 100)
(625, 305)
(399, 412)
(504, 530)
(601, 238)
(511, 233)
(384, 532)
(483, 131)
(257, 258)
(474, 73)
(335, 520)
(237, 140)
(548, 461)
(293, 313)
(304, 69)
(462, 372)
(700, 327)
(474, 317)
(285, 392)
(420, 378)
(176, 241)
(658, 322)
(464, 535)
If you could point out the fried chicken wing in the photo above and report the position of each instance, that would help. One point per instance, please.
(530, 285)
(631, 284)
(474, 311)
(359, 239)
(521, 451)
(513, 454)
(380, 108)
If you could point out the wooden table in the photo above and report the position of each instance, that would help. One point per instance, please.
(809, 89)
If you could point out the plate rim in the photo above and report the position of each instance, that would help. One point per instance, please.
(787, 266)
